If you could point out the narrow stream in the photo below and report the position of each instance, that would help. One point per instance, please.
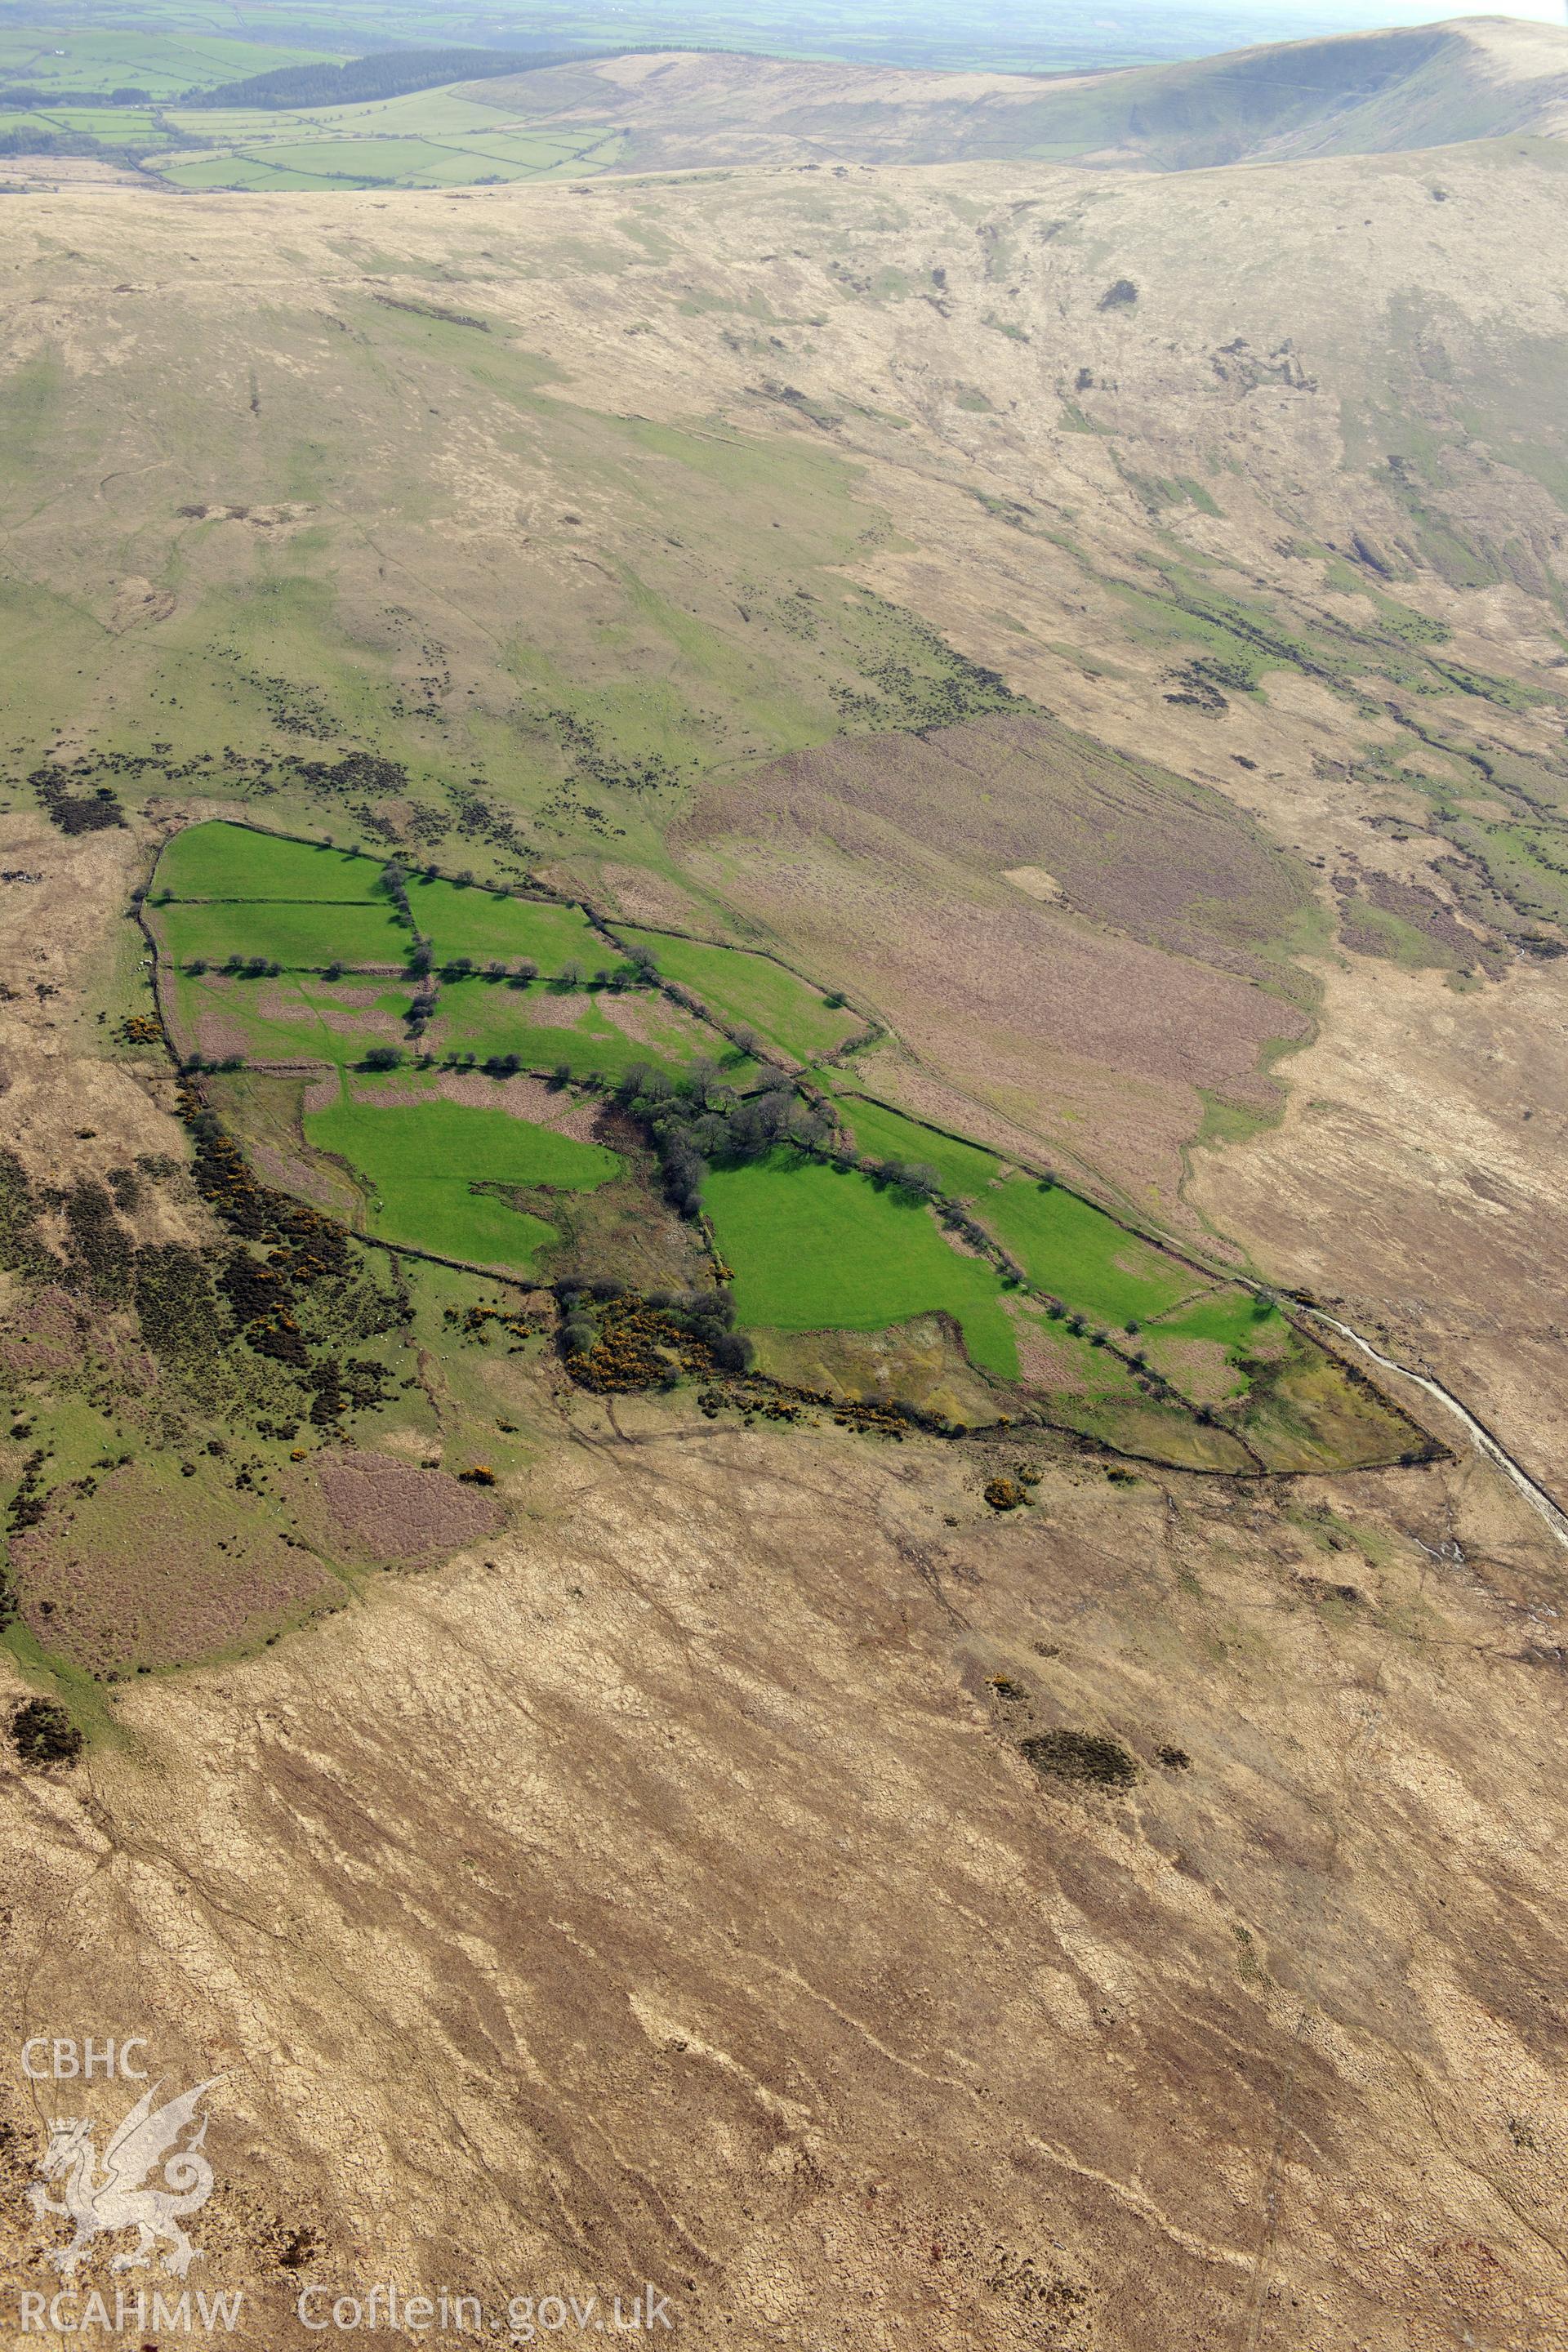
(1482, 1439)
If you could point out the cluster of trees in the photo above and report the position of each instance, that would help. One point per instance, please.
(902, 1175)
(708, 1314)
(700, 1118)
(238, 967)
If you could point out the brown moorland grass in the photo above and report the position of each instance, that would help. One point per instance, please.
(1059, 2036)
(1134, 846)
(391, 1510)
(135, 1573)
(1031, 1008)
(754, 1672)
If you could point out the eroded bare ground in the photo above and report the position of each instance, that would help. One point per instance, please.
(662, 1892)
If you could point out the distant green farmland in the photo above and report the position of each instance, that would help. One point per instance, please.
(750, 991)
(60, 60)
(818, 1248)
(426, 139)
(435, 138)
(419, 1162)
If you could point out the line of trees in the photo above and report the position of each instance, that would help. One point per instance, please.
(19, 95)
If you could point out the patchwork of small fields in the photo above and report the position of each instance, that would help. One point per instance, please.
(446, 136)
(430, 139)
(408, 1010)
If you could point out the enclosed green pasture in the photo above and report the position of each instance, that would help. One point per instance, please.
(1072, 1249)
(1238, 1321)
(298, 1016)
(288, 1019)
(429, 138)
(460, 922)
(418, 1164)
(302, 938)
(249, 172)
(751, 991)
(964, 1170)
(591, 1036)
(234, 861)
(817, 1248)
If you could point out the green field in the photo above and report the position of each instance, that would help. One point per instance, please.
(819, 1248)
(301, 937)
(577, 1027)
(1066, 1246)
(1245, 1326)
(233, 861)
(244, 877)
(425, 139)
(489, 927)
(964, 1170)
(1072, 1250)
(418, 1164)
(1235, 1319)
(310, 1020)
(166, 65)
(751, 991)
(812, 1247)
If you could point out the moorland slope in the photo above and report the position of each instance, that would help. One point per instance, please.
(1279, 551)
(384, 121)
(1363, 93)
(1039, 684)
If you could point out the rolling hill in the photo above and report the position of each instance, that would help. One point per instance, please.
(1366, 93)
(759, 907)
(384, 122)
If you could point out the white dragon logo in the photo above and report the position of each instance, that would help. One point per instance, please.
(116, 2198)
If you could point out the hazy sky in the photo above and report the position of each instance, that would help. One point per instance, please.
(1412, 12)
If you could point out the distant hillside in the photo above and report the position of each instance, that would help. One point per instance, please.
(1362, 93)
(390, 73)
